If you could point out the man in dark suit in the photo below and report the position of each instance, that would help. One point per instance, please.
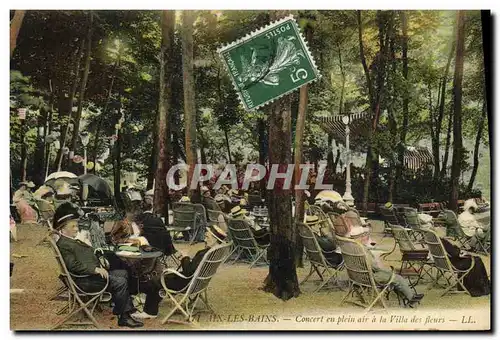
(213, 236)
(80, 259)
(154, 230)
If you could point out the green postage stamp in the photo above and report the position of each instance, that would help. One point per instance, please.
(269, 63)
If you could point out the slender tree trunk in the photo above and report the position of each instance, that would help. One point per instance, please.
(118, 167)
(262, 152)
(299, 141)
(441, 114)
(341, 101)
(162, 167)
(189, 94)
(227, 145)
(336, 162)
(154, 156)
(444, 167)
(24, 156)
(15, 26)
(404, 127)
(105, 110)
(65, 129)
(83, 84)
(487, 35)
(479, 135)
(457, 111)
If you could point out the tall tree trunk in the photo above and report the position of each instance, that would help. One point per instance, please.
(299, 142)
(154, 155)
(487, 35)
(24, 156)
(37, 173)
(166, 72)
(262, 152)
(444, 167)
(117, 168)
(105, 110)
(390, 111)
(65, 129)
(189, 94)
(15, 26)
(439, 122)
(404, 127)
(479, 135)
(457, 111)
(83, 84)
(282, 279)
(227, 145)
(336, 162)
(341, 101)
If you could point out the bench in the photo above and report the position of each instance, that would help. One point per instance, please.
(433, 208)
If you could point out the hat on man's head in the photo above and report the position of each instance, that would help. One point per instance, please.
(388, 205)
(237, 211)
(312, 220)
(185, 199)
(64, 213)
(217, 232)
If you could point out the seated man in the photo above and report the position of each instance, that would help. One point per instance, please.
(154, 230)
(261, 235)
(326, 240)
(80, 259)
(213, 236)
(382, 275)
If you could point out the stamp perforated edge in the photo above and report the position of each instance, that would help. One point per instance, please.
(249, 36)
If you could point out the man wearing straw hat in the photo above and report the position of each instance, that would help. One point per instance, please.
(325, 240)
(261, 235)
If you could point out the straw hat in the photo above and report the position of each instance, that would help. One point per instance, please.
(217, 232)
(312, 220)
(185, 199)
(237, 211)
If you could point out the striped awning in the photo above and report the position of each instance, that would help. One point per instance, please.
(417, 158)
(359, 125)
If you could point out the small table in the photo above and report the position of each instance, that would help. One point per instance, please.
(138, 266)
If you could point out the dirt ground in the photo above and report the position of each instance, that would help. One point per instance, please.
(239, 303)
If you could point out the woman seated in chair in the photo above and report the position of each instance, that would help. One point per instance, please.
(261, 235)
(470, 225)
(359, 231)
(326, 240)
(476, 281)
(127, 230)
(213, 236)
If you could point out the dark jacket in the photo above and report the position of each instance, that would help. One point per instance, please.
(155, 232)
(78, 256)
(189, 266)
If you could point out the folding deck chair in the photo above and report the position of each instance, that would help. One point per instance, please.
(188, 218)
(244, 242)
(454, 230)
(361, 280)
(319, 264)
(186, 299)
(453, 277)
(413, 258)
(78, 300)
(389, 217)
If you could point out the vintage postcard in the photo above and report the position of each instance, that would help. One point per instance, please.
(250, 170)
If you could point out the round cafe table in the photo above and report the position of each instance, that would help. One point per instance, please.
(141, 264)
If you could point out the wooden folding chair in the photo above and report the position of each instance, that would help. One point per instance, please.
(453, 277)
(319, 264)
(78, 300)
(414, 259)
(245, 243)
(361, 280)
(389, 217)
(186, 299)
(413, 223)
